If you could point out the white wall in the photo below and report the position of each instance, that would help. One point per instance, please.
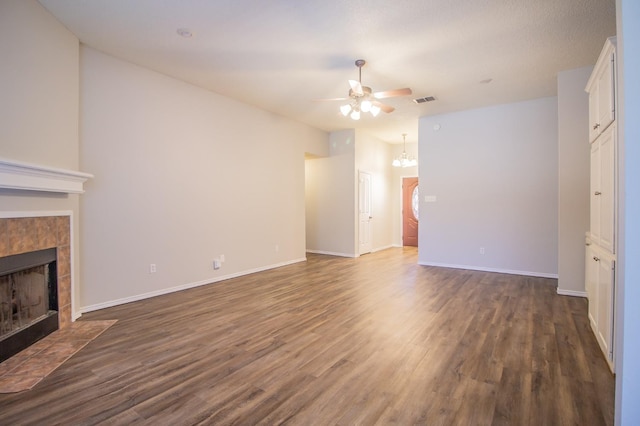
(332, 194)
(628, 314)
(39, 83)
(330, 197)
(39, 86)
(494, 172)
(182, 176)
(374, 157)
(573, 179)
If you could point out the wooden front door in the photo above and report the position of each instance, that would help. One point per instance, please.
(410, 201)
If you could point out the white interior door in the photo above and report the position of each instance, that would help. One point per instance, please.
(364, 211)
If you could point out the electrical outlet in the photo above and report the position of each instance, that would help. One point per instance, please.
(152, 268)
(481, 250)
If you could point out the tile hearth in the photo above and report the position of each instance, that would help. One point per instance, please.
(27, 368)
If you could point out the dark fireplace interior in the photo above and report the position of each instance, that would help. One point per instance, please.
(28, 300)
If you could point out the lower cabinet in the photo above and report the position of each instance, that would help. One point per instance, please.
(600, 286)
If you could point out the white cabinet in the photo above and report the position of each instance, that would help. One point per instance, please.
(600, 282)
(600, 254)
(591, 284)
(601, 88)
(605, 304)
(602, 190)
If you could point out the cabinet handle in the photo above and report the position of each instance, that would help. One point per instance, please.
(597, 193)
(596, 126)
(596, 259)
(587, 244)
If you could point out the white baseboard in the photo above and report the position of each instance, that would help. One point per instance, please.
(331, 253)
(573, 293)
(164, 291)
(497, 270)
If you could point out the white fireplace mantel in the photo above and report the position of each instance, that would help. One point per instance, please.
(33, 177)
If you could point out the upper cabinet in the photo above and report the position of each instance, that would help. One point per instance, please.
(601, 88)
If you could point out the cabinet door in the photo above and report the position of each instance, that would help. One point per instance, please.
(606, 110)
(591, 285)
(594, 198)
(594, 128)
(605, 305)
(602, 89)
(607, 189)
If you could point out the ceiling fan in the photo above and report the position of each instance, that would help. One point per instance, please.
(363, 99)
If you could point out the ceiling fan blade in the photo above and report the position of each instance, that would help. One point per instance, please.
(330, 99)
(356, 87)
(384, 107)
(392, 93)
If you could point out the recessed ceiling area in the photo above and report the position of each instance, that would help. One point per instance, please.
(282, 54)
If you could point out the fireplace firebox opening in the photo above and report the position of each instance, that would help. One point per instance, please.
(28, 300)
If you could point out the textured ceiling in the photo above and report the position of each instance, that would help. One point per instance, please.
(279, 55)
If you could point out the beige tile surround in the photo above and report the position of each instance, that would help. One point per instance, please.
(25, 234)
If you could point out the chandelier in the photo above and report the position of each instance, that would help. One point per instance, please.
(404, 160)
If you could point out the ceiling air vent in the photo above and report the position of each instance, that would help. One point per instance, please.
(423, 100)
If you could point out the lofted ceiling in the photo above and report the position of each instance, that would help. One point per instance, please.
(280, 55)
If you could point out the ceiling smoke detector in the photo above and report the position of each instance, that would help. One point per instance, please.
(184, 32)
(425, 99)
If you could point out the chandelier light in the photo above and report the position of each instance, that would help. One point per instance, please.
(404, 160)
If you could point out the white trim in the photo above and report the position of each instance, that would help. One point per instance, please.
(34, 213)
(33, 177)
(332, 253)
(164, 291)
(382, 248)
(573, 293)
(46, 213)
(498, 270)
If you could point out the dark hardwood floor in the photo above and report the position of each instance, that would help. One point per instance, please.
(373, 340)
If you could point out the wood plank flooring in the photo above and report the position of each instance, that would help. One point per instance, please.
(373, 340)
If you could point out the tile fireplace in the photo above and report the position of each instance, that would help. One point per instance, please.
(35, 279)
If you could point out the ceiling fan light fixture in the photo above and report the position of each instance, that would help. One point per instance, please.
(364, 99)
(345, 109)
